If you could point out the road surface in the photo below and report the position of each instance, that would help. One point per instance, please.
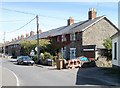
(47, 76)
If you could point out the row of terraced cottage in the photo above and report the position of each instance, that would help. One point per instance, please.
(74, 39)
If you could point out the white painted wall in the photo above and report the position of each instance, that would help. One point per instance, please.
(114, 62)
(119, 51)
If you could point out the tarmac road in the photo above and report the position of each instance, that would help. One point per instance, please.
(48, 76)
(41, 76)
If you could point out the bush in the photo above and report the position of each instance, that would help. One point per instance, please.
(47, 55)
(35, 58)
(42, 56)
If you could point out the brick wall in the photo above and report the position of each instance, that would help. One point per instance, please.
(68, 44)
(14, 50)
(75, 44)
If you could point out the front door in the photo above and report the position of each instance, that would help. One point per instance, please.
(63, 51)
(72, 53)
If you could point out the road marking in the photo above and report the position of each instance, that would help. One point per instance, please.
(14, 75)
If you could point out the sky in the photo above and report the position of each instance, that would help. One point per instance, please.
(51, 15)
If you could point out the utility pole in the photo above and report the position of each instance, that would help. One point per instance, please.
(4, 44)
(38, 51)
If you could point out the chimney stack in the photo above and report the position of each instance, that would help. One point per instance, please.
(15, 38)
(31, 33)
(22, 36)
(92, 14)
(40, 31)
(70, 21)
(18, 37)
(12, 39)
(27, 35)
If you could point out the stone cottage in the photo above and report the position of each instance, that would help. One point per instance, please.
(82, 38)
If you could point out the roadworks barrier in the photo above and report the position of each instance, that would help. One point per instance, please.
(74, 63)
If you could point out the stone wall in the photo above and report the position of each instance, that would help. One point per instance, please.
(103, 62)
(97, 33)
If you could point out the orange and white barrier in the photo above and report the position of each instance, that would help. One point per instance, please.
(74, 63)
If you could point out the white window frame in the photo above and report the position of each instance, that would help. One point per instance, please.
(72, 37)
(63, 51)
(115, 50)
(63, 38)
(14, 46)
(57, 38)
(74, 53)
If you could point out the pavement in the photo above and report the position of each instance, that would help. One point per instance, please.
(98, 74)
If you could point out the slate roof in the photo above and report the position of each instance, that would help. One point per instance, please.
(76, 27)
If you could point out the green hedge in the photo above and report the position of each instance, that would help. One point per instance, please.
(35, 58)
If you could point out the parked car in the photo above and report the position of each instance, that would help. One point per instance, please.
(83, 58)
(25, 60)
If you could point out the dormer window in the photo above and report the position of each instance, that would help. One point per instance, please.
(72, 37)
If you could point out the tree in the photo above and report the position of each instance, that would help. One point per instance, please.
(44, 44)
(28, 45)
(108, 45)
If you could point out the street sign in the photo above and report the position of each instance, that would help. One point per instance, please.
(35, 48)
(32, 53)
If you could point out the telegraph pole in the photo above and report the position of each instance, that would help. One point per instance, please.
(4, 44)
(38, 51)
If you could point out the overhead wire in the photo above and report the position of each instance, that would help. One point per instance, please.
(35, 14)
(31, 20)
(22, 26)
(11, 20)
(18, 11)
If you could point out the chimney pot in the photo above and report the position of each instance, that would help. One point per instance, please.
(27, 35)
(40, 31)
(12, 39)
(70, 21)
(18, 37)
(31, 33)
(92, 13)
(15, 38)
(22, 36)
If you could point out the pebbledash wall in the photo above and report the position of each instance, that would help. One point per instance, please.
(116, 44)
(119, 14)
(116, 50)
